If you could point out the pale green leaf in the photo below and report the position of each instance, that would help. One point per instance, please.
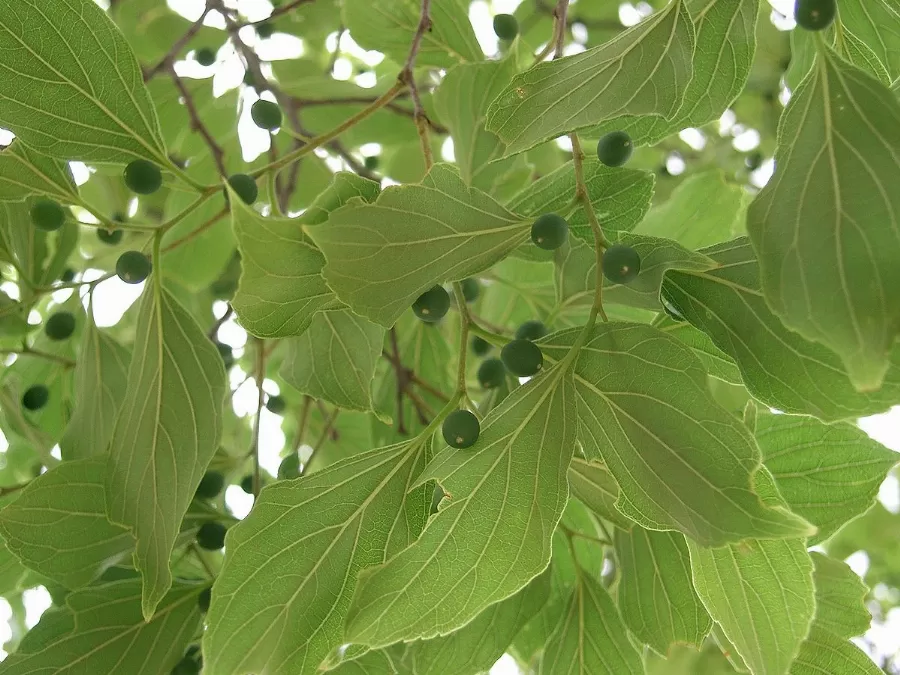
(824, 652)
(344, 187)
(688, 661)
(382, 256)
(595, 487)
(840, 598)
(520, 290)
(101, 379)
(655, 593)
(778, 366)
(196, 252)
(281, 285)
(12, 572)
(70, 86)
(829, 474)
(167, 433)
(826, 228)
(877, 24)
(24, 172)
(464, 561)
(334, 360)
(642, 71)
(101, 629)
(58, 525)
(378, 662)
(681, 461)
(590, 638)
(717, 363)
(314, 534)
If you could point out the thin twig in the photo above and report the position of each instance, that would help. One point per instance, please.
(337, 50)
(196, 233)
(260, 401)
(408, 78)
(28, 351)
(177, 46)
(400, 373)
(329, 424)
(197, 124)
(278, 11)
(229, 312)
(203, 562)
(581, 193)
(302, 423)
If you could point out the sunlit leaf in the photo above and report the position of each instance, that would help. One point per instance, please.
(824, 652)
(595, 487)
(24, 172)
(840, 598)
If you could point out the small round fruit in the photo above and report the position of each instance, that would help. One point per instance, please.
(205, 56)
(210, 485)
(227, 354)
(245, 187)
(615, 148)
(47, 215)
(276, 405)
(461, 429)
(203, 600)
(265, 29)
(815, 14)
(35, 397)
(249, 80)
(506, 26)
(480, 346)
(211, 536)
(522, 358)
(68, 276)
(111, 237)
(133, 267)
(289, 467)
(491, 373)
(531, 330)
(549, 231)
(471, 289)
(60, 326)
(247, 484)
(266, 115)
(621, 264)
(143, 177)
(372, 162)
(432, 305)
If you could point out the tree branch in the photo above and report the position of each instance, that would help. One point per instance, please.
(167, 60)
(407, 77)
(197, 124)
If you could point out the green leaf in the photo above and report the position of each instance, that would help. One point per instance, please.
(620, 197)
(378, 662)
(281, 285)
(12, 572)
(687, 661)
(24, 172)
(824, 652)
(79, 95)
(829, 474)
(520, 290)
(681, 461)
(315, 534)
(474, 648)
(344, 187)
(101, 628)
(167, 433)
(464, 561)
(655, 593)
(382, 256)
(590, 638)
(840, 598)
(779, 367)
(58, 525)
(874, 23)
(642, 71)
(826, 228)
(101, 381)
(199, 253)
(335, 359)
(717, 363)
(386, 26)
(595, 487)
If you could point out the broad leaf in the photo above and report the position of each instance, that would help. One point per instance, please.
(826, 228)
(519, 290)
(481, 547)
(642, 71)
(840, 598)
(24, 172)
(101, 628)
(314, 534)
(824, 652)
(334, 360)
(681, 461)
(778, 366)
(717, 363)
(655, 593)
(382, 256)
(79, 95)
(344, 187)
(167, 433)
(595, 487)
(874, 22)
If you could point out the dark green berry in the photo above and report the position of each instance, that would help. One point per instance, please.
(111, 237)
(372, 162)
(531, 330)
(247, 484)
(753, 161)
(265, 29)
(471, 289)
(205, 56)
(266, 115)
(203, 600)
(432, 305)
(815, 14)
(276, 405)
(35, 397)
(211, 536)
(615, 148)
(550, 231)
(187, 666)
(461, 429)
(522, 358)
(621, 264)
(289, 467)
(67, 276)
(60, 326)
(249, 80)
(47, 215)
(143, 177)
(210, 485)
(133, 267)
(245, 187)
(491, 373)
(480, 346)
(227, 354)
(506, 26)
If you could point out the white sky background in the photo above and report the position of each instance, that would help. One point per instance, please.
(114, 297)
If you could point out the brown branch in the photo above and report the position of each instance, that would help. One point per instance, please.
(407, 78)
(326, 431)
(229, 312)
(606, 24)
(166, 61)
(196, 233)
(278, 11)
(197, 124)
